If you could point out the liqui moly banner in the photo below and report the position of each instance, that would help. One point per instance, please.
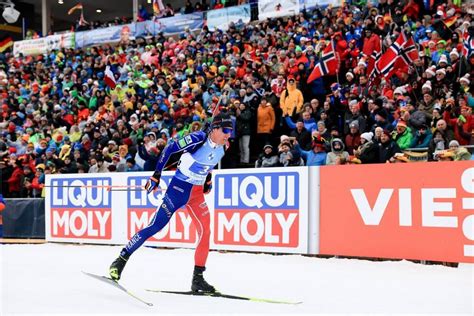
(180, 231)
(251, 210)
(419, 211)
(261, 210)
(79, 209)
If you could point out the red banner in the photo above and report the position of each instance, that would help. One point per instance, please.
(410, 211)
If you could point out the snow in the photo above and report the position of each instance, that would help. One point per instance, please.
(47, 279)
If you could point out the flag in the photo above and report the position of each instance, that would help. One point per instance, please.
(5, 43)
(158, 7)
(468, 44)
(385, 64)
(74, 8)
(376, 53)
(327, 64)
(409, 53)
(82, 21)
(109, 78)
(450, 21)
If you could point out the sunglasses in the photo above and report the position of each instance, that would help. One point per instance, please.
(226, 130)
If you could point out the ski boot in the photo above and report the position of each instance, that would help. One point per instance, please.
(116, 268)
(199, 284)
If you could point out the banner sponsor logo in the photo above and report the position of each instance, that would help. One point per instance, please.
(257, 209)
(142, 207)
(81, 208)
(220, 19)
(418, 214)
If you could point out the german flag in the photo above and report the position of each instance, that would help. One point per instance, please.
(450, 21)
(5, 43)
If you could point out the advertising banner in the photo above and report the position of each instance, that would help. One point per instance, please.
(176, 24)
(311, 4)
(251, 210)
(119, 33)
(419, 211)
(31, 47)
(272, 9)
(59, 41)
(220, 19)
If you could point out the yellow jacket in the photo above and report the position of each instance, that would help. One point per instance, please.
(292, 101)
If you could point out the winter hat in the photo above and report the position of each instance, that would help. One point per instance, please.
(427, 85)
(367, 136)
(454, 52)
(399, 90)
(465, 79)
(454, 143)
(443, 59)
(402, 123)
(441, 71)
(431, 71)
(350, 74)
(354, 124)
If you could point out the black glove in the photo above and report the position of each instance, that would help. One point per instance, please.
(152, 183)
(208, 184)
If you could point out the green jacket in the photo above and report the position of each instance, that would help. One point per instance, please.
(404, 140)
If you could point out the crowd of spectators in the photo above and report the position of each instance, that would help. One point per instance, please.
(59, 116)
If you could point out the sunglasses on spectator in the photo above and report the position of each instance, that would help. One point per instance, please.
(226, 130)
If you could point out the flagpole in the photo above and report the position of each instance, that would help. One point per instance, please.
(338, 61)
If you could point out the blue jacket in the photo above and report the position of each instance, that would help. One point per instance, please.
(312, 158)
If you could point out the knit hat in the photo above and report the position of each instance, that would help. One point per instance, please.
(454, 52)
(402, 123)
(443, 59)
(441, 71)
(465, 79)
(431, 71)
(399, 90)
(427, 85)
(454, 143)
(367, 136)
(349, 74)
(354, 124)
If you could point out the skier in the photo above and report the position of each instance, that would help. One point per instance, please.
(200, 153)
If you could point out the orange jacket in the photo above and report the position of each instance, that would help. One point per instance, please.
(265, 119)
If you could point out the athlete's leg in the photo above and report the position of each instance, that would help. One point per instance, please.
(175, 197)
(199, 212)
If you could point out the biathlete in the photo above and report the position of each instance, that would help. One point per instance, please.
(200, 153)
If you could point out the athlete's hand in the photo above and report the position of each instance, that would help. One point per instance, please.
(208, 184)
(152, 183)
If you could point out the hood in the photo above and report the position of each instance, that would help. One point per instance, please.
(337, 141)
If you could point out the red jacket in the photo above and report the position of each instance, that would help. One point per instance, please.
(14, 182)
(463, 134)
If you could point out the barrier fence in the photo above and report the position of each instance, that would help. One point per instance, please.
(401, 211)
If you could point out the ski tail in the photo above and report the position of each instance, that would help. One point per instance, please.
(227, 296)
(116, 285)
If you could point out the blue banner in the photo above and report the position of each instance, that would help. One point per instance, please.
(119, 33)
(220, 19)
(175, 24)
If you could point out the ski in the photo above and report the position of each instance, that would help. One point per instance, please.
(228, 296)
(116, 285)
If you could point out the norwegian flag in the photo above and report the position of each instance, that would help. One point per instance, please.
(109, 78)
(377, 52)
(468, 44)
(409, 52)
(327, 65)
(385, 64)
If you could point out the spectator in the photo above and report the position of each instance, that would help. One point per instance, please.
(268, 158)
(288, 156)
(422, 138)
(368, 151)
(244, 130)
(15, 181)
(337, 153)
(132, 166)
(403, 136)
(353, 138)
(387, 148)
(460, 153)
(265, 122)
(302, 135)
(2, 208)
(317, 155)
(291, 100)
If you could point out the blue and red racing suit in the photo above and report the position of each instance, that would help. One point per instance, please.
(199, 156)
